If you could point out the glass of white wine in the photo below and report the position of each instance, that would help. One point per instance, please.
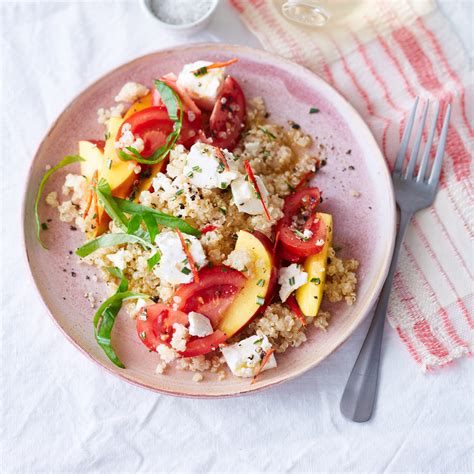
(306, 12)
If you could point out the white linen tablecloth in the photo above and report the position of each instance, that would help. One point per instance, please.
(60, 412)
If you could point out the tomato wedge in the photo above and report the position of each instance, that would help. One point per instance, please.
(192, 118)
(152, 125)
(155, 324)
(203, 345)
(212, 295)
(228, 116)
(300, 217)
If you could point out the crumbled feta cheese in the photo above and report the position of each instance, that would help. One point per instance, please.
(162, 182)
(199, 325)
(291, 278)
(179, 339)
(204, 167)
(241, 260)
(245, 357)
(131, 91)
(246, 198)
(173, 267)
(104, 114)
(166, 353)
(204, 88)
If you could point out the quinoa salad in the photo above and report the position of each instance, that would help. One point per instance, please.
(202, 217)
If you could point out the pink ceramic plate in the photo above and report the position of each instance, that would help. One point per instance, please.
(363, 226)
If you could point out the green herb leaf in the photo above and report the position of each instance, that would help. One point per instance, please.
(161, 218)
(64, 162)
(104, 318)
(201, 71)
(317, 281)
(134, 224)
(260, 300)
(109, 240)
(261, 282)
(313, 110)
(151, 225)
(266, 132)
(153, 260)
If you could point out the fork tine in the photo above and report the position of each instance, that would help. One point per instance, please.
(416, 146)
(406, 138)
(426, 154)
(438, 161)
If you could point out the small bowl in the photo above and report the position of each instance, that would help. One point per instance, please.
(186, 27)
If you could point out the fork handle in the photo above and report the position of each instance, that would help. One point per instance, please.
(358, 399)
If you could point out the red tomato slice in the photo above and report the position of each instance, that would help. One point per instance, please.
(228, 116)
(152, 125)
(192, 119)
(212, 295)
(300, 215)
(157, 328)
(203, 345)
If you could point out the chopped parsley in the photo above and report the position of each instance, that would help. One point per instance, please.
(107, 135)
(190, 174)
(316, 281)
(292, 281)
(223, 185)
(197, 169)
(266, 132)
(220, 167)
(258, 341)
(223, 210)
(201, 71)
(260, 300)
(290, 187)
(109, 163)
(261, 282)
(143, 335)
(313, 110)
(186, 270)
(179, 192)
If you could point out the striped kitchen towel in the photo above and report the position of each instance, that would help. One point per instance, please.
(380, 57)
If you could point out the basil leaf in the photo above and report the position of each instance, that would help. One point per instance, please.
(109, 240)
(161, 218)
(104, 193)
(134, 224)
(151, 225)
(64, 162)
(153, 260)
(120, 296)
(168, 96)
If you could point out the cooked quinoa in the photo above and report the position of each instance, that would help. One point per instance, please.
(281, 156)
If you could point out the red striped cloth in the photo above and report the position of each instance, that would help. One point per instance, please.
(380, 60)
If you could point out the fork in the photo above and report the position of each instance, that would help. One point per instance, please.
(412, 194)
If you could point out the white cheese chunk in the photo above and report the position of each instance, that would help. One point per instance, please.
(291, 278)
(245, 196)
(199, 325)
(203, 88)
(174, 267)
(131, 91)
(205, 169)
(245, 357)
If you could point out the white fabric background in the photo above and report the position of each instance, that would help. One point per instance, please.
(60, 412)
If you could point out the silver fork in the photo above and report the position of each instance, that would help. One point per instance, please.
(412, 194)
